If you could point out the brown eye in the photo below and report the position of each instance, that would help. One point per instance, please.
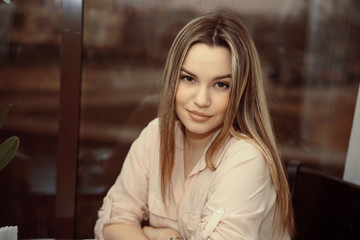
(187, 78)
(222, 85)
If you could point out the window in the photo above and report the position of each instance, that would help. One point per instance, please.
(310, 57)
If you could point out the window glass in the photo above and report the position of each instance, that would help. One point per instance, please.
(29, 80)
(310, 57)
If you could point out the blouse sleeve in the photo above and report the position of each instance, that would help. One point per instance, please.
(126, 201)
(240, 196)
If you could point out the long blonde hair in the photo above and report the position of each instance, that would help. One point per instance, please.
(247, 112)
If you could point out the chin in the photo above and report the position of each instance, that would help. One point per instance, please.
(201, 131)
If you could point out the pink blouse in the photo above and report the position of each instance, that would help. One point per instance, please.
(236, 201)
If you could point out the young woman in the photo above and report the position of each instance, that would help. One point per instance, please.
(208, 166)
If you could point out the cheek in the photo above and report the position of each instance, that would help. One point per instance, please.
(223, 104)
(180, 96)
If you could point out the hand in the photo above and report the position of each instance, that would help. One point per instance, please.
(160, 233)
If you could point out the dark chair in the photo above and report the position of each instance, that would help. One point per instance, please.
(325, 207)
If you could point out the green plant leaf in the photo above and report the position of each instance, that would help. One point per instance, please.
(8, 150)
(4, 114)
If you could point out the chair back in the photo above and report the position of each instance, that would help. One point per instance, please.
(325, 207)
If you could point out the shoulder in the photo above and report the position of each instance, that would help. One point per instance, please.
(149, 135)
(154, 124)
(243, 146)
(152, 129)
(144, 149)
(242, 154)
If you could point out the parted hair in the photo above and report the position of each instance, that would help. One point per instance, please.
(247, 115)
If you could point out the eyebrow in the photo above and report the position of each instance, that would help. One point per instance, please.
(215, 78)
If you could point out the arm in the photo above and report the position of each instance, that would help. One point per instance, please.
(160, 233)
(123, 232)
(126, 232)
(241, 195)
(126, 201)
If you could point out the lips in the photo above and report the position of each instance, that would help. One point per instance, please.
(199, 117)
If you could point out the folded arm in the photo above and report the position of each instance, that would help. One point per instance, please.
(123, 232)
(127, 231)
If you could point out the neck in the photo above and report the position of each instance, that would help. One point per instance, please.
(193, 141)
(194, 146)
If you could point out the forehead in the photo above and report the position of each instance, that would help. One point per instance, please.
(211, 59)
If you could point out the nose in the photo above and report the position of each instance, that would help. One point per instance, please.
(202, 97)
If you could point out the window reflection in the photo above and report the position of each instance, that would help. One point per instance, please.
(29, 80)
(309, 53)
(310, 57)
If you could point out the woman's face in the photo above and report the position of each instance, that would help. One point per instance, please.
(203, 91)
